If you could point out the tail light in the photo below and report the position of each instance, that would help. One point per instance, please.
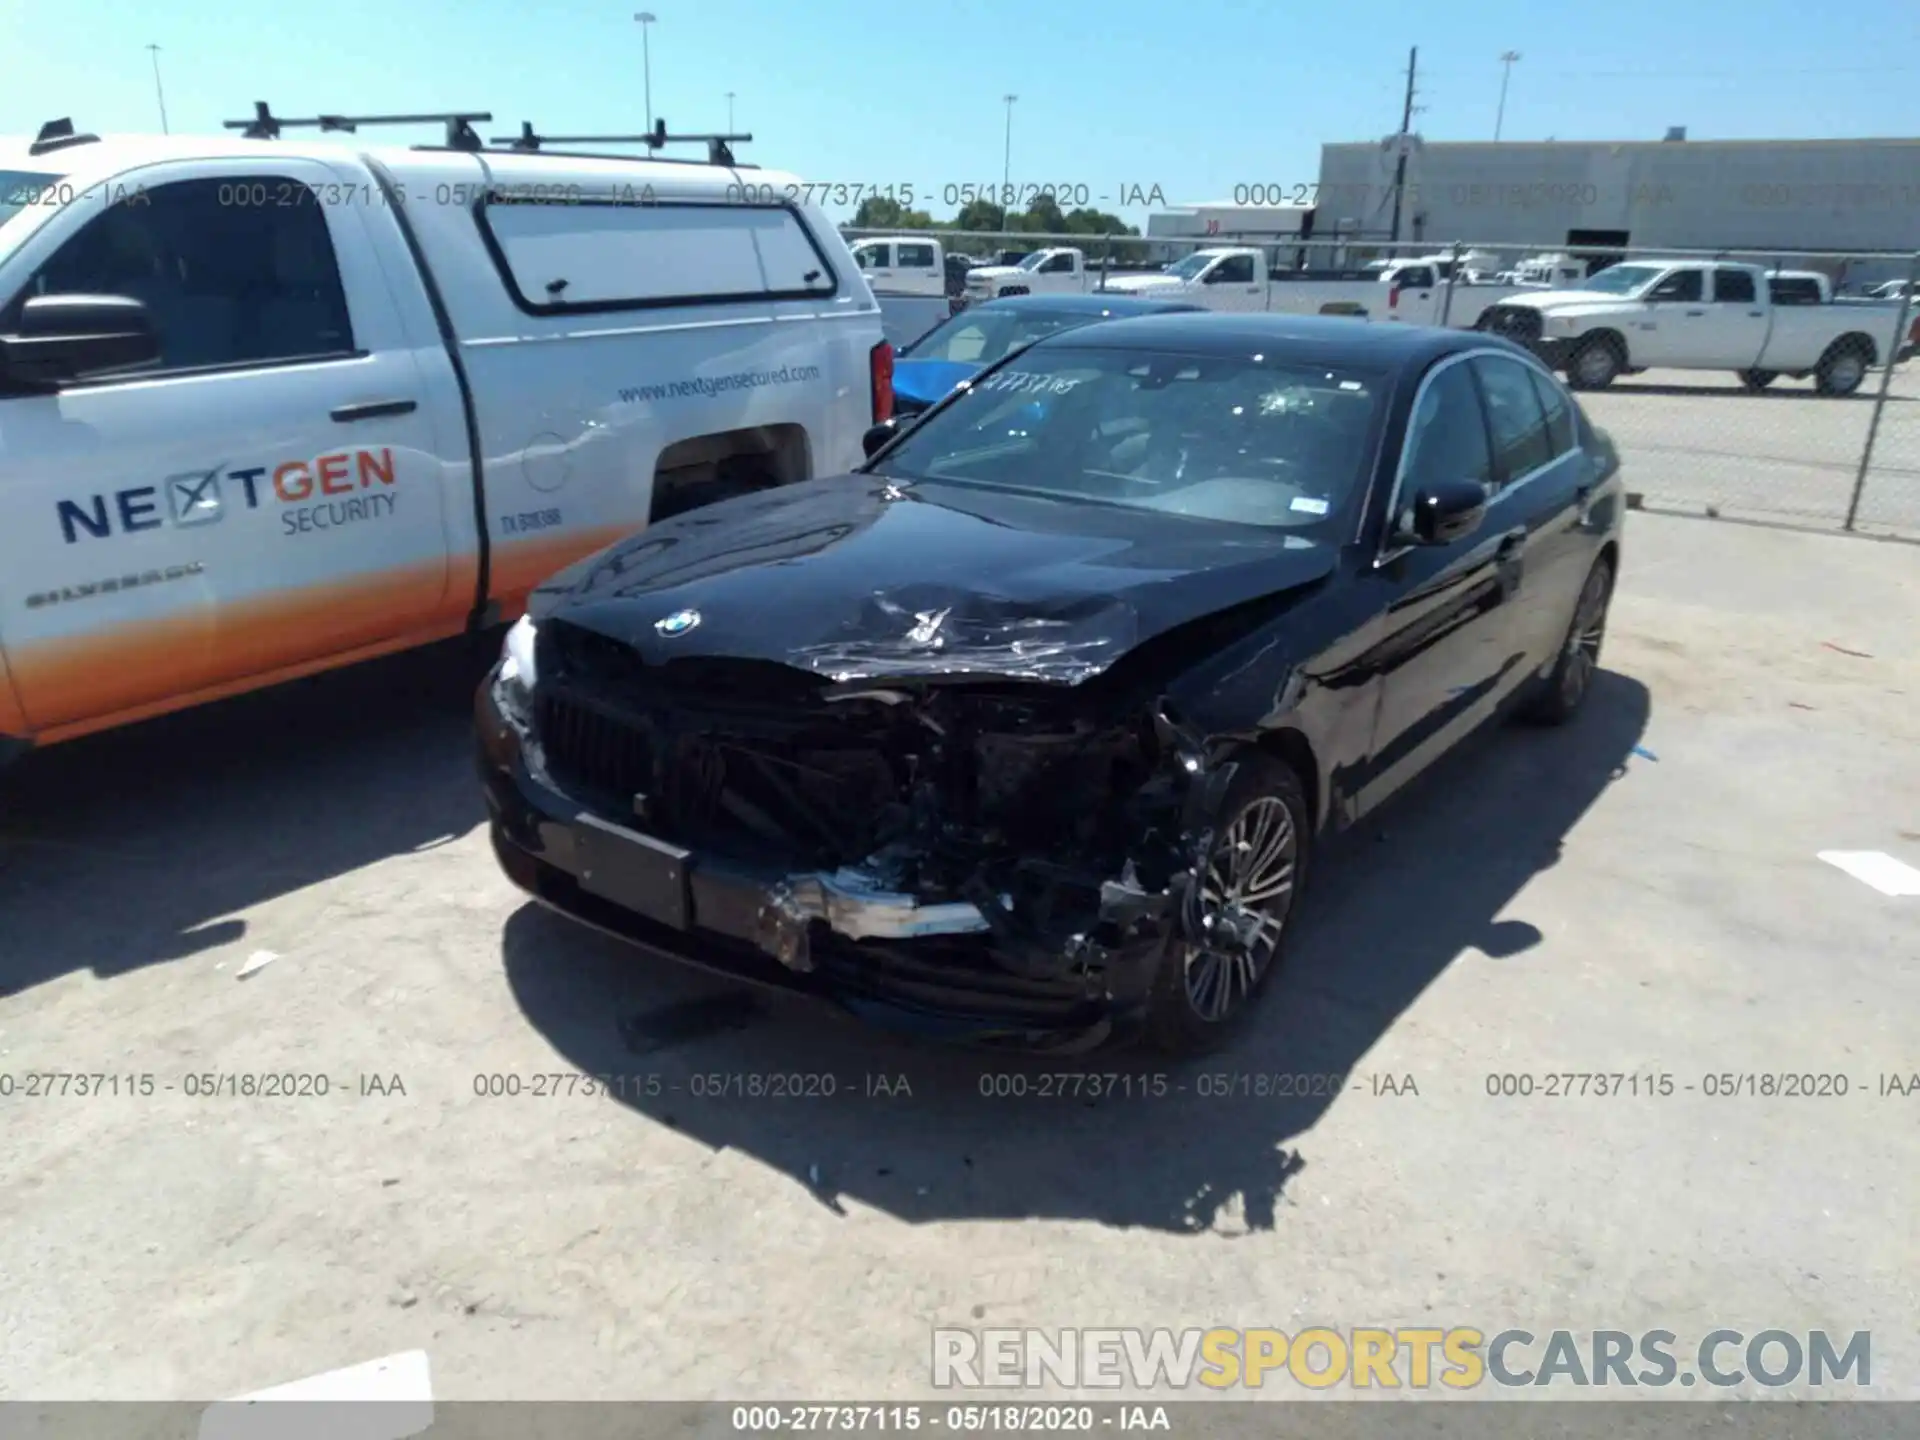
(880, 363)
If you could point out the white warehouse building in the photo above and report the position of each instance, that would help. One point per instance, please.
(1601, 197)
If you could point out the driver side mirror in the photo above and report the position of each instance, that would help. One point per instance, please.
(76, 337)
(1447, 510)
(877, 438)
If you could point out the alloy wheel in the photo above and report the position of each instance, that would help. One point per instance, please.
(1583, 638)
(1244, 895)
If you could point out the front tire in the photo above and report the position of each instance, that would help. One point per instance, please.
(1248, 889)
(1596, 364)
(1565, 689)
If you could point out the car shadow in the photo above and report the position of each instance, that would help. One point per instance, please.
(139, 846)
(929, 1134)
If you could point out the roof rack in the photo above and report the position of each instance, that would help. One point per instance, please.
(461, 135)
(719, 147)
(58, 135)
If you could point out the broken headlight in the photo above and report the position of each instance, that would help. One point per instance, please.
(517, 676)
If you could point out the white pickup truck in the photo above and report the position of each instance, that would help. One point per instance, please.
(902, 264)
(1060, 270)
(1696, 315)
(1412, 290)
(270, 406)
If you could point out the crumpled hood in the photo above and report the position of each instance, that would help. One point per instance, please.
(854, 577)
(925, 381)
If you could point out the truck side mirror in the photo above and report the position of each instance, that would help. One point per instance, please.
(76, 337)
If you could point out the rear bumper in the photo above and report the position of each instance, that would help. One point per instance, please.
(750, 924)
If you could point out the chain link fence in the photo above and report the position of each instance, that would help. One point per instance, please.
(1770, 398)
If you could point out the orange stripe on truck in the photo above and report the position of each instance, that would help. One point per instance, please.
(82, 683)
(520, 565)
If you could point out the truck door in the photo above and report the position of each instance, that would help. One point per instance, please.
(1234, 284)
(266, 496)
(917, 268)
(1673, 326)
(1737, 320)
(876, 261)
(1413, 295)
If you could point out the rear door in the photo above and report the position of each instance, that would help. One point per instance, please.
(263, 498)
(916, 267)
(1544, 484)
(1445, 655)
(1736, 333)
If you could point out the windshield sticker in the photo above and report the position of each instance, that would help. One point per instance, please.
(1026, 382)
(1307, 505)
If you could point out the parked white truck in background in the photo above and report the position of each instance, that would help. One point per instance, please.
(1060, 270)
(1412, 290)
(902, 264)
(1696, 315)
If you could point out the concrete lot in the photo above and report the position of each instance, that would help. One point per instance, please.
(1638, 893)
(1696, 439)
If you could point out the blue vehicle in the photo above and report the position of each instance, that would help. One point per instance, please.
(981, 334)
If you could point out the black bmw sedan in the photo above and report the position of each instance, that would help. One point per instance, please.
(1024, 733)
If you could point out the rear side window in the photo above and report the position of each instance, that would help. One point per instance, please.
(1560, 430)
(561, 258)
(1733, 287)
(1514, 414)
(1794, 290)
(238, 271)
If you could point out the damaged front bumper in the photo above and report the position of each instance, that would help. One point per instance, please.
(965, 971)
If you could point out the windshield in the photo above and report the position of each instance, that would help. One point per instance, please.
(1236, 439)
(980, 337)
(1622, 279)
(1036, 260)
(21, 188)
(1191, 266)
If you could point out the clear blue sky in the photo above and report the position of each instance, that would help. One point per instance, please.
(1196, 96)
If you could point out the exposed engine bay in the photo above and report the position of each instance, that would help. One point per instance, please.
(1049, 818)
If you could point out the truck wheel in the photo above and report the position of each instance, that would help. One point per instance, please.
(1596, 364)
(1757, 379)
(1204, 992)
(1843, 368)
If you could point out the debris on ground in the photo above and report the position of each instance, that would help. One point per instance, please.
(1857, 654)
(258, 960)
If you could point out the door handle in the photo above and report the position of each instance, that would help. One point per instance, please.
(373, 410)
(1757, 314)
(1696, 312)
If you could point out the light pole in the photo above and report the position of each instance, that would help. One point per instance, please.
(729, 112)
(159, 93)
(1006, 173)
(645, 19)
(1507, 58)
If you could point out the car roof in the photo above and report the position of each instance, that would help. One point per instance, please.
(1332, 339)
(1116, 305)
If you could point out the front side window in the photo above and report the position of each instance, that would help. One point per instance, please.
(26, 189)
(1622, 279)
(1059, 264)
(1191, 266)
(231, 271)
(1447, 437)
(1225, 439)
(871, 257)
(1234, 270)
(1682, 286)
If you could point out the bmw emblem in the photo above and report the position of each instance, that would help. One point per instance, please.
(678, 623)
